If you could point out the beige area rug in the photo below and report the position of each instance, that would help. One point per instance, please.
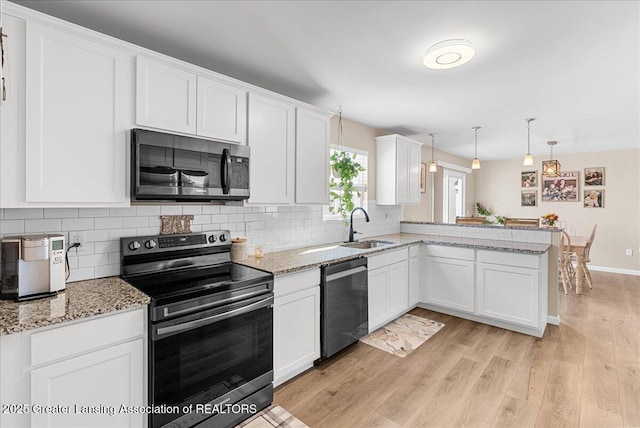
(403, 335)
(272, 416)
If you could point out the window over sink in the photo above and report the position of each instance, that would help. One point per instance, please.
(360, 182)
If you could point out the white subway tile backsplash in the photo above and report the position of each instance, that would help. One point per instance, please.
(108, 223)
(93, 260)
(42, 225)
(148, 210)
(106, 247)
(60, 212)
(97, 235)
(107, 270)
(191, 210)
(10, 227)
(171, 210)
(77, 223)
(220, 218)
(122, 212)
(212, 209)
(23, 213)
(135, 222)
(94, 212)
(121, 233)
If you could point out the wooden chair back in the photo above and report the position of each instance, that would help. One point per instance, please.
(526, 222)
(471, 220)
(589, 242)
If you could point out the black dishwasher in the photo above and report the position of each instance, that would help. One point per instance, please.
(344, 305)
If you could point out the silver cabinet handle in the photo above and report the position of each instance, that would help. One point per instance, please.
(342, 274)
(191, 325)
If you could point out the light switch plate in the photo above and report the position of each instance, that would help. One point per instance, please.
(628, 252)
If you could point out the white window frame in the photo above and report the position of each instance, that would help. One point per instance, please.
(363, 188)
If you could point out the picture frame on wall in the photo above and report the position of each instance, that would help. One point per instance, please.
(529, 179)
(423, 177)
(594, 198)
(529, 198)
(563, 188)
(594, 176)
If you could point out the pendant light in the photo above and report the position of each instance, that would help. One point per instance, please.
(551, 168)
(475, 164)
(432, 166)
(528, 159)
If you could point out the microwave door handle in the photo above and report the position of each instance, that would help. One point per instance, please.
(191, 325)
(226, 171)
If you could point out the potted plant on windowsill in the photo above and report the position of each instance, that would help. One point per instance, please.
(344, 169)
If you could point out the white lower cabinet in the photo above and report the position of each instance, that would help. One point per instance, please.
(450, 278)
(296, 324)
(503, 289)
(508, 288)
(414, 275)
(87, 369)
(388, 286)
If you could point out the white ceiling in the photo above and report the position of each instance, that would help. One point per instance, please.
(572, 65)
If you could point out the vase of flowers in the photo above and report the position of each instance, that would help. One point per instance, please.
(549, 219)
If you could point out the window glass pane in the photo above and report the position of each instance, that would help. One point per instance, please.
(360, 183)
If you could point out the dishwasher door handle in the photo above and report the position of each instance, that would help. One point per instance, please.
(344, 273)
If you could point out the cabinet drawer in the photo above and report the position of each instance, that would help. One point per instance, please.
(530, 261)
(414, 251)
(84, 336)
(387, 258)
(290, 283)
(450, 252)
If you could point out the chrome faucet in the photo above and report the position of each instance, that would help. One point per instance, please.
(351, 231)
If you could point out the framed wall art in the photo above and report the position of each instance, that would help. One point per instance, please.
(529, 179)
(594, 176)
(563, 188)
(529, 198)
(594, 198)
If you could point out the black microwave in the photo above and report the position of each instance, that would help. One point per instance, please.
(167, 167)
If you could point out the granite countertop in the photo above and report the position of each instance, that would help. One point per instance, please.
(488, 226)
(81, 299)
(283, 262)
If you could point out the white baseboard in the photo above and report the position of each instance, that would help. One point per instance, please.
(553, 320)
(615, 270)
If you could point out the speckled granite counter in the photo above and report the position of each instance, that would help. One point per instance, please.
(81, 299)
(488, 226)
(283, 262)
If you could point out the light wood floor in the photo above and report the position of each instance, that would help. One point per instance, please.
(584, 373)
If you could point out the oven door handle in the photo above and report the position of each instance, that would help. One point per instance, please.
(191, 325)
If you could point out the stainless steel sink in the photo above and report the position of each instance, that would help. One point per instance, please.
(367, 244)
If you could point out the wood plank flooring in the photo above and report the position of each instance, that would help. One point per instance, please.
(583, 373)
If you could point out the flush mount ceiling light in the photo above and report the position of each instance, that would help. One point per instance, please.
(528, 158)
(433, 167)
(475, 164)
(449, 54)
(551, 168)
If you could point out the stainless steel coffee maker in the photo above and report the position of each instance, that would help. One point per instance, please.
(32, 266)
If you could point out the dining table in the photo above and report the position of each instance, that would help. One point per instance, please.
(578, 246)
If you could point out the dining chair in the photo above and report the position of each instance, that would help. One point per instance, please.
(565, 225)
(565, 267)
(525, 222)
(471, 220)
(586, 258)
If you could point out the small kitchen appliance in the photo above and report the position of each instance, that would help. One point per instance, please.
(32, 266)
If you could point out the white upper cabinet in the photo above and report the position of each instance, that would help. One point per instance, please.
(312, 157)
(398, 170)
(165, 97)
(272, 142)
(78, 103)
(222, 111)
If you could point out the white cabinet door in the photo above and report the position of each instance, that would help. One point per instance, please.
(414, 281)
(450, 283)
(402, 179)
(165, 97)
(414, 173)
(296, 332)
(221, 111)
(271, 138)
(312, 157)
(79, 109)
(398, 289)
(508, 293)
(378, 280)
(106, 378)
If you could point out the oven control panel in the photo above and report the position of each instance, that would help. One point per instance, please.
(164, 243)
